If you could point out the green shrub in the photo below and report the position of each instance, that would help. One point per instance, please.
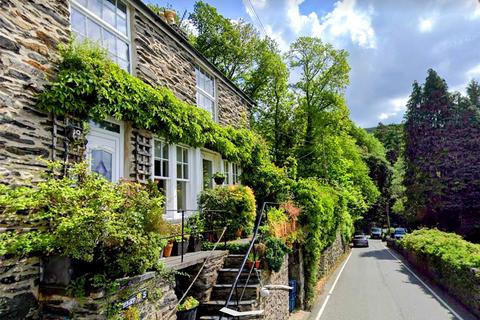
(454, 261)
(115, 227)
(275, 252)
(445, 250)
(239, 204)
(320, 217)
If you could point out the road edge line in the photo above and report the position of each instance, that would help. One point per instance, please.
(425, 285)
(322, 309)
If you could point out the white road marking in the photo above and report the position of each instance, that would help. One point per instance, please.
(425, 285)
(320, 312)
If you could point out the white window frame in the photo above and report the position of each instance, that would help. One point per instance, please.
(127, 38)
(161, 159)
(226, 170)
(189, 173)
(200, 70)
(236, 172)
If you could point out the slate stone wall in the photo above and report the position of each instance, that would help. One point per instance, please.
(19, 281)
(202, 287)
(330, 256)
(165, 62)
(30, 34)
(276, 304)
(150, 295)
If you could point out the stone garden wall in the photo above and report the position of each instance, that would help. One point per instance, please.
(19, 280)
(150, 296)
(202, 287)
(331, 255)
(276, 304)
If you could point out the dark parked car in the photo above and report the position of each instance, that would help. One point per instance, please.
(399, 233)
(360, 240)
(376, 233)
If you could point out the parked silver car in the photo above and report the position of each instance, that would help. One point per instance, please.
(360, 240)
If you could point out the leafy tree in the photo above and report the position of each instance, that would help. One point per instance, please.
(473, 93)
(323, 79)
(391, 136)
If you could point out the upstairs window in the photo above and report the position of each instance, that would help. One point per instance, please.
(205, 91)
(104, 22)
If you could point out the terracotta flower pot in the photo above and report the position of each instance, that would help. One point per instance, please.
(167, 251)
(250, 264)
(162, 16)
(238, 233)
(170, 16)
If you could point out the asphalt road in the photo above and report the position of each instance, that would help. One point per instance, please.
(374, 284)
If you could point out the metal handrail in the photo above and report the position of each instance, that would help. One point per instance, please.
(242, 266)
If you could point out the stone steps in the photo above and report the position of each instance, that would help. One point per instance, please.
(213, 307)
(221, 291)
(210, 310)
(233, 261)
(227, 276)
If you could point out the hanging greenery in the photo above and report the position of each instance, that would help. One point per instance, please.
(89, 85)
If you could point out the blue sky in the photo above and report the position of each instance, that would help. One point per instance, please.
(391, 43)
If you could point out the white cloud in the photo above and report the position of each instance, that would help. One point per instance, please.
(473, 72)
(476, 13)
(426, 24)
(344, 21)
(395, 106)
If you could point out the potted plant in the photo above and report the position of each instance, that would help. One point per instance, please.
(167, 251)
(178, 244)
(219, 178)
(251, 261)
(195, 227)
(187, 310)
(170, 15)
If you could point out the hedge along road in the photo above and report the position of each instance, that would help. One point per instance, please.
(374, 283)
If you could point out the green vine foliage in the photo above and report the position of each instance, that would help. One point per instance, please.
(324, 211)
(116, 228)
(90, 86)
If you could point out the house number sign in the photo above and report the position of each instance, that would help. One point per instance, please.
(135, 299)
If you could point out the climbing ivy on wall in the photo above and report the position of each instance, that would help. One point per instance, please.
(89, 85)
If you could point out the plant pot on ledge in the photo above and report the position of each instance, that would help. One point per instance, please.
(195, 244)
(177, 247)
(188, 309)
(167, 251)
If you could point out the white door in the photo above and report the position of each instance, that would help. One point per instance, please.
(104, 151)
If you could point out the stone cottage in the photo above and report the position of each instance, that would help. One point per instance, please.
(142, 44)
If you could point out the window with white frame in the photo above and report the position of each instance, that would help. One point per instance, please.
(105, 22)
(182, 177)
(235, 174)
(161, 164)
(205, 91)
(226, 171)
